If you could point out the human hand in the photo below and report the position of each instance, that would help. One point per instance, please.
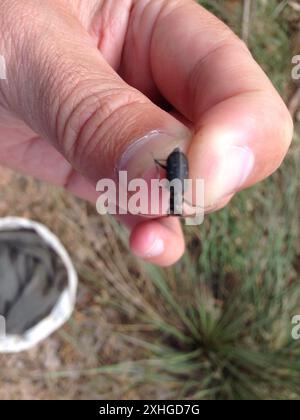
(87, 78)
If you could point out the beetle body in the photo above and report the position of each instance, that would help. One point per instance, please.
(177, 168)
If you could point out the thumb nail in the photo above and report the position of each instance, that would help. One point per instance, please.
(139, 158)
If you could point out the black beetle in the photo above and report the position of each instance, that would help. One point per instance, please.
(176, 167)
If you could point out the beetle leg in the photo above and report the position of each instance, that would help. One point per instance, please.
(161, 165)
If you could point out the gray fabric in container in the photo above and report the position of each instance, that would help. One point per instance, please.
(32, 277)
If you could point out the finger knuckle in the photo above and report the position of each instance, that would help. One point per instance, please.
(89, 119)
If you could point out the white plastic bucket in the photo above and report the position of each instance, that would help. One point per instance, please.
(64, 306)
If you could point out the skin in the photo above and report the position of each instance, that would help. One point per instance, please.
(85, 78)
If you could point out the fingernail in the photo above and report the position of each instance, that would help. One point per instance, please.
(139, 158)
(231, 172)
(153, 250)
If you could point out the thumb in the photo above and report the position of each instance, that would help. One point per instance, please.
(61, 86)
